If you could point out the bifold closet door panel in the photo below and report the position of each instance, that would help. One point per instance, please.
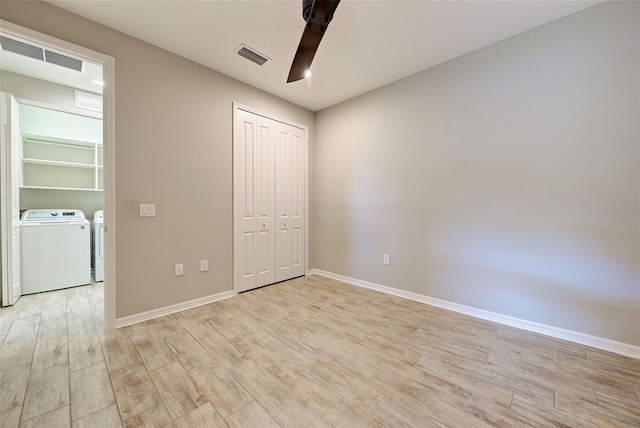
(254, 200)
(244, 200)
(264, 176)
(290, 202)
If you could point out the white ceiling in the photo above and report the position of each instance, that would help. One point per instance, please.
(368, 44)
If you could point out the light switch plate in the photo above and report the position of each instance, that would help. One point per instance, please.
(204, 265)
(147, 210)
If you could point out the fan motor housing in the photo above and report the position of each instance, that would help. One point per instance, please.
(306, 9)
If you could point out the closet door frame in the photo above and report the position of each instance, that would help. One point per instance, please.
(236, 108)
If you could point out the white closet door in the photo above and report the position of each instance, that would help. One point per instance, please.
(254, 201)
(10, 199)
(243, 204)
(290, 202)
(269, 170)
(264, 175)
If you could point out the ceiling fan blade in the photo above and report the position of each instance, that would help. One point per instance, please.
(316, 25)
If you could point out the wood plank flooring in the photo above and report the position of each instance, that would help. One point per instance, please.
(311, 352)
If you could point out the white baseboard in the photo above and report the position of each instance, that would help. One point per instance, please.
(572, 336)
(156, 313)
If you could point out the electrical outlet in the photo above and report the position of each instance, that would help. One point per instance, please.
(385, 259)
(204, 265)
(179, 269)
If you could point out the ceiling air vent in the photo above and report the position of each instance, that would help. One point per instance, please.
(36, 52)
(63, 60)
(251, 55)
(21, 48)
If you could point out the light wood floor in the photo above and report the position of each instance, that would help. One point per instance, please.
(311, 352)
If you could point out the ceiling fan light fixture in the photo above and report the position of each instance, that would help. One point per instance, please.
(317, 15)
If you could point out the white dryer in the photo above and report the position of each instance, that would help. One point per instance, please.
(55, 250)
(98, 246)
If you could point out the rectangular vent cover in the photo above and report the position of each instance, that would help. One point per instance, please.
(63, 60)
(36, 52)
(21, 48)
(252, 55)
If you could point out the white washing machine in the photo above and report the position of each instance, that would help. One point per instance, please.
(55, 250)
(98, 246)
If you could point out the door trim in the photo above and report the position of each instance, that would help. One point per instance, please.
(108, 126)
(236, 108)
(7, 185)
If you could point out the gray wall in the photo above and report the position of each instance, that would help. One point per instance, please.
(173, 133)
(489, 179)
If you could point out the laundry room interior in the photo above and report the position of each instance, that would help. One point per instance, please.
(55, 102)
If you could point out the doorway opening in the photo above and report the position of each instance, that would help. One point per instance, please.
(60, 161)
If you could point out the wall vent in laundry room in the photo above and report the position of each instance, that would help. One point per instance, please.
(36, 52)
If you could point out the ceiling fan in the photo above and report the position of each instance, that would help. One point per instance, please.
(317, 15)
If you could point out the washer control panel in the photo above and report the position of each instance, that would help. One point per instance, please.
(53, 215)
